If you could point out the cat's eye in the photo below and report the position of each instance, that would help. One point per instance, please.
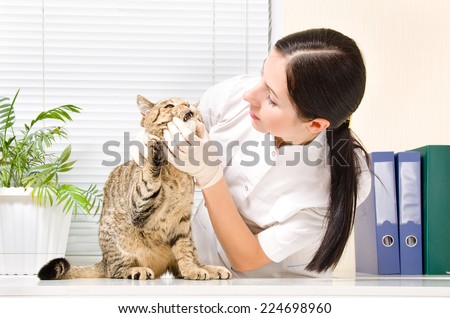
(169, 106)
(188, 116)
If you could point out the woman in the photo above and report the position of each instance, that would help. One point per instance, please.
(283, 200)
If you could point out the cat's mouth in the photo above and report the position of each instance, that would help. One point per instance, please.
(188, 115)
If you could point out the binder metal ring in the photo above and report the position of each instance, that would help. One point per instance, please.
(411, 241)
(388, 240)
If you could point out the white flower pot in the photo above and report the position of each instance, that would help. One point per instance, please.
(30, 235)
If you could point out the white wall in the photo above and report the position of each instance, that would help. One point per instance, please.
(406, 45)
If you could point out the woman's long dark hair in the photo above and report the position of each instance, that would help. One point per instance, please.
(326, 78)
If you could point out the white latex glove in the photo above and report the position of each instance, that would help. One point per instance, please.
(189, 152)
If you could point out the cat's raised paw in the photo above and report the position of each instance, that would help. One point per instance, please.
(140, 273)
(157, 152)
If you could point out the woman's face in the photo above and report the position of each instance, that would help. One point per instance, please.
(271, 109)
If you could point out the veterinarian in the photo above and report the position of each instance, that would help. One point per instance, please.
(282, 202)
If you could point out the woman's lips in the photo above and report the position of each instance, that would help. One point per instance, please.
(252, 115)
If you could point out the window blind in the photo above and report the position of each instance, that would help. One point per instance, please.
(100, 54)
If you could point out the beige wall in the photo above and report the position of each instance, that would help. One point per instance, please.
(406, 45)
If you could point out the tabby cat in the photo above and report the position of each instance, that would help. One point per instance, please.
(144, 228)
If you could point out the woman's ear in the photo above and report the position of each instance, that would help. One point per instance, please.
(318, 125)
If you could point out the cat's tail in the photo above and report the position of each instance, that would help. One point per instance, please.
(59, 268)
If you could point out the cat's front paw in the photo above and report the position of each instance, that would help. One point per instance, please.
(195, 273)
(156, 152)
(217, 272)
(139, 273)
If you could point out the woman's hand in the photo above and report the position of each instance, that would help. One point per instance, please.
(189, 152)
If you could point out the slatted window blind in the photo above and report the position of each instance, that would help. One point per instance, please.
(100, 54)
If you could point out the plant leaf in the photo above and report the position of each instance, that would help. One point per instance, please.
(65, 154)
(7, 114)
(58, 113)
(76, 198)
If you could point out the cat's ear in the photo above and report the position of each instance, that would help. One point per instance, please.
(144, 104)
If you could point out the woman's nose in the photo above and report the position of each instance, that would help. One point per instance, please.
(252, 96)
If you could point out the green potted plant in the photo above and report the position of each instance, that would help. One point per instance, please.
(35, 208)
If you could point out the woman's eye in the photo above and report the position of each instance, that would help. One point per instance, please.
(270, 101)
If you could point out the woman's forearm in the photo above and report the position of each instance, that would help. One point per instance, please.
(241, 246)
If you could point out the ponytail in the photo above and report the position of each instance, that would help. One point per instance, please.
(345, 170)
(326, 78)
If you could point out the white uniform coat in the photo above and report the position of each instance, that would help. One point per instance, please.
(281, 193)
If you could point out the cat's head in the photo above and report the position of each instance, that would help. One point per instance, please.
(155, 116)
